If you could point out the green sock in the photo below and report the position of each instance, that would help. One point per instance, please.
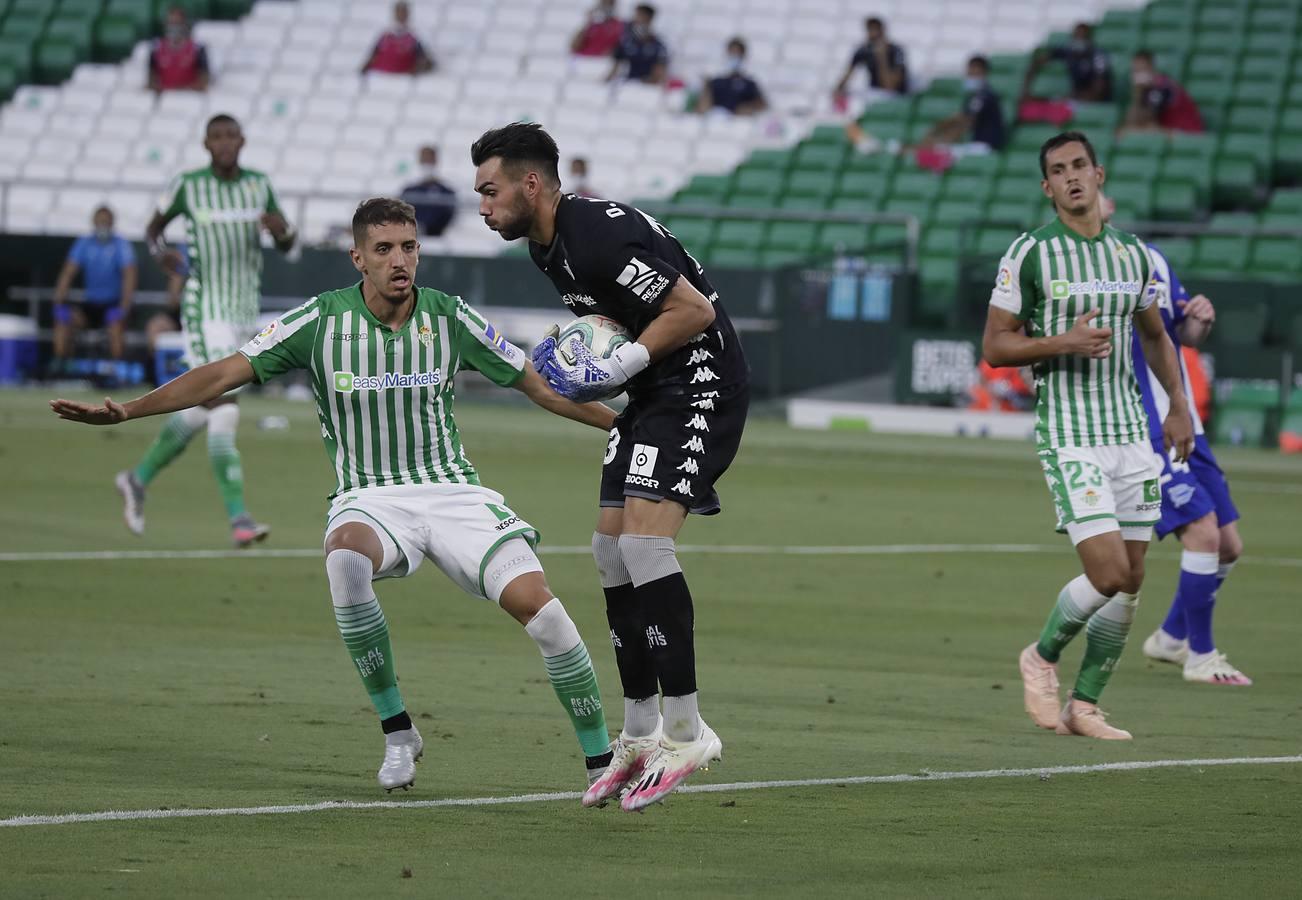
(575, 683)
(171, 441)
(1105, 638)
(1077, 602)
(366, 635)
(226, 467)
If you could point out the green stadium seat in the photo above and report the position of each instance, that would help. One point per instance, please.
(993, 242)
(1286, 201)
(1221, 253)
(114, 37)
(769, 158)
(959, 212)
(1091, 117)
(756, 181)
(987, 165)
(1294, 341)
(802, 202)
(194, 9)
(55, 59)
(942, 240)
(141, 12)
(746, 234)
(918, 207)
(76, 31)
(796, 237)
(1130, 166)
(883, 165)
(1135, 191)
(1177, 200)
(754, 201)
(916, 186)
(22, 28)
(734, 258)
(893, 111)
(833, 135)
(939, 276)
(39, 9)
(823, 157)
(1179, 252)
(1266, 65)
(1031, 137)
(805, 183)
(693, 233)
(705, 190)
(776, 258)
(86, 9)
(932, 108)
(1196, 173)
(1288, 157)
(961, 185)
(1020, 163)
(1233, 180)
(16, 56)
(946, 87)
(860, 184)
(887, 243)
(9, 81)
(1255, 120)
(1277, 258)
(1239, 426)
(841, 237)
(230, 9)
(1241, 324)
(854, 204)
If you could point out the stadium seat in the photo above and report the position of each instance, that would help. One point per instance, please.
(841, 237)
(1277, 258)
(1239, 426)
(793, 237)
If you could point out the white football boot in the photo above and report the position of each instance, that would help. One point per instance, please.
(1214, 668)
(670, 766)
(630, 756)
(1161, 647)
(133, 501)
(402, 749)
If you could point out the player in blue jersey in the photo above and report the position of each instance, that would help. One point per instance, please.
(1196, 503)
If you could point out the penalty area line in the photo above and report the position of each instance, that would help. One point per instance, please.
(907, 778)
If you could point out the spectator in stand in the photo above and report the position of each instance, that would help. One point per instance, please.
(579, 178)
(732, 89)
(641, 55)
(1157, 101)
(600, 33)
(1089, 67)
(976, 129)
(434, 201)
(109, 264)
(176, 62)
(887, 67)
(398, 51)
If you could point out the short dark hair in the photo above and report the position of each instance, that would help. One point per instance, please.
(873, 20)
(517, 144)
(1066, 137)
(1143, 53)
(380, 211)
(103, 208)
(739, 44)
(981, 61)
(220, 119)
(646, 9)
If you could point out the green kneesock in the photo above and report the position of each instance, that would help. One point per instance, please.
(366, 635)
(1077, 602)
(569, 668)
(1105, 638)
(177, 431)
(225, 459)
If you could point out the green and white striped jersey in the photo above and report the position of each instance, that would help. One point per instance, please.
(385, 397)
(1047, 279)
(224, 238)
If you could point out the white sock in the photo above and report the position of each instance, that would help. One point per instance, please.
(1197, 658)
(682, 718)
(553, 630)
(1166, 642)
(641, 717)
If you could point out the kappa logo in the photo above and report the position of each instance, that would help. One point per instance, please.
(344, 336)
(565, 264)
(642, 280)
(695, 445)
(703, 374)
(690, 467)
(1181, 494)
(699, 356)
(698, 422)
(684, 488)
(706, 404)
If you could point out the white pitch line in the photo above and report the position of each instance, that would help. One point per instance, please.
(333, 805)
(584, 550)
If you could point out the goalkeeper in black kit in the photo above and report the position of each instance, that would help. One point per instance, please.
(689, 391)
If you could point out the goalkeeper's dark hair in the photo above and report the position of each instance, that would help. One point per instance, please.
(1058, 140)
(520, 145)
(380, 211)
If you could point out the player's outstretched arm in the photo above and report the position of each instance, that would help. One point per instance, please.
(1005, 343)
(193, 388)
(1177, 427)
(535, 387)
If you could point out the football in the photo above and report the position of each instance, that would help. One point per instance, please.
(599, 334)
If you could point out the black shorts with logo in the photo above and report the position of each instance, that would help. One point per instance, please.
(675, 446)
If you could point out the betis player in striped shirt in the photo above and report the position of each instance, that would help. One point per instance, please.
(382, 356)
(226, 208)
(1066, 301)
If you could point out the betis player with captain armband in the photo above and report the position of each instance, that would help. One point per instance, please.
(1066, 301)
(383, 355)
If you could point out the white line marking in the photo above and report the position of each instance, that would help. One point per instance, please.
(924, 775)
(583, 550)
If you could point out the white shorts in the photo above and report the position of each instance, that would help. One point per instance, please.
(1101, 489)
(210, 340)
(458, 527)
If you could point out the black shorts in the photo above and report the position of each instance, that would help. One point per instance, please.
(675, 447)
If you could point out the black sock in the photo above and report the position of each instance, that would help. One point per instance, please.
(667, 609)
(400, 722)
(637, 673)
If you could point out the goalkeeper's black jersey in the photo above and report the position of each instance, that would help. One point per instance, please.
(614, 260)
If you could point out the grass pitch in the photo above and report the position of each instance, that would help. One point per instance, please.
(199, 683)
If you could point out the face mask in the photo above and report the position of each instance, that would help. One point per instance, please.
(972, 85)
(103, 234)
(1079, 45)
(732, 63)
(640, 31)
(429, 171)
(1142, 78)
(175, 32)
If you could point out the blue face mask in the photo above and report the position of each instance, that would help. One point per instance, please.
(103, 234)
(732, 63)
(972, 85)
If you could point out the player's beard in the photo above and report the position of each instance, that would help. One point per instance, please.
(521, 220)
